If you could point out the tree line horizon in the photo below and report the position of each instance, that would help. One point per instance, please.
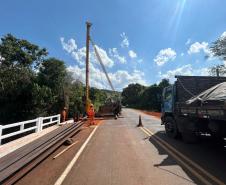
(32, 84)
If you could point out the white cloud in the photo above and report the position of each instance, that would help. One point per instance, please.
(198, 47)
(114, 53)
(186, 70)
(104, 56)
(120, 78)
(125, 40)
(79, 54)
(68, 46)
(132, 54)
(223, 35)
(164, 56)
(188, 41)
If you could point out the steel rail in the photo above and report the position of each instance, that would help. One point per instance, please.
(20, 166)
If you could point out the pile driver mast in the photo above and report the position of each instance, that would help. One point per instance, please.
(88, 25)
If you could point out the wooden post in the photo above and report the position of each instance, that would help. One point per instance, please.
(88, 25)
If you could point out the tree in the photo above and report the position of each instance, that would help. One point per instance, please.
(152, 96)
(52, 73)
(164, 83)
(131, 94)
(218, 49)
(20, 52)
(16, 77)
(76, 104)
(220, 68)
(138, 96)
(32, 85)
(98, 97)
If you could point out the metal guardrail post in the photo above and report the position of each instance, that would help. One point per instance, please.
(58, 122)
(39, 123)
(0, 134)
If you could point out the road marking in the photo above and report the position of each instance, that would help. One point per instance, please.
(71, 164)
(168, 147)
(64, 150)
(178, 159)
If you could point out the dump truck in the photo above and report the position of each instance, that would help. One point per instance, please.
(194, 106)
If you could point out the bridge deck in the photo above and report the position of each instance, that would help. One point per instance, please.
(119, 153)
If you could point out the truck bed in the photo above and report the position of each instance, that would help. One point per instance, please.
(189, 86)
(215, 112)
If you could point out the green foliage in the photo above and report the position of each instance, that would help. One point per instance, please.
(218, 49)
(19, 52)
(221, 69)
(41, 101)
(76, 103)
(32, 85)
(98, 97)
(131, 95)
(15, 93)
(149, 98)
(52, 73)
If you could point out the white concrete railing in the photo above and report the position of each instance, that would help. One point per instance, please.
(38, 125)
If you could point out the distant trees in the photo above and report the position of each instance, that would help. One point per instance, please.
(149, 98)
(131, 95)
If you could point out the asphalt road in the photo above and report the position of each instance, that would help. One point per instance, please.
(119, 153)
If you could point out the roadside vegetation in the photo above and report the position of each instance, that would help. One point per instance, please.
(32, 84)
(142, 97)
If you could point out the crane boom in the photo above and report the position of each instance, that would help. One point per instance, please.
(102, 64)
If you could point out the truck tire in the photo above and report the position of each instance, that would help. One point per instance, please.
(171, 127)
(218, 140)
(189, 137)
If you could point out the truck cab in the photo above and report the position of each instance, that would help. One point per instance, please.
(167, 106)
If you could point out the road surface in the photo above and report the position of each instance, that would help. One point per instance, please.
(119, 153)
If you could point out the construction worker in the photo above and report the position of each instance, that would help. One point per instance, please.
(91, 114)
(64, 114)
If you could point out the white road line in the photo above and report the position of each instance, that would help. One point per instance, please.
(71, 164)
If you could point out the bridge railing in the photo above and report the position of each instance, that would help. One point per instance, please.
(35, 125)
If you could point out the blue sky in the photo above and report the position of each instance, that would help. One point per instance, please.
(139, 41)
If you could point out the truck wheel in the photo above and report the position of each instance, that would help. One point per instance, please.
(218, 140)
(189, 137)
(171, 127)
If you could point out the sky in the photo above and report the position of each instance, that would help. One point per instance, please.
(138, 41)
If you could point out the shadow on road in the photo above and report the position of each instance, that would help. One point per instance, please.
(205, 153)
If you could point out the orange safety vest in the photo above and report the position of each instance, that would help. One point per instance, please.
(91, 112)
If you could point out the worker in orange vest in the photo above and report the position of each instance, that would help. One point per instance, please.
(91, 114)
(64, 114)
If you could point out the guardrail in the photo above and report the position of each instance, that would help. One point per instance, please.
(36, 125)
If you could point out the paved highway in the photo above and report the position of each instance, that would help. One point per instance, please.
(119, 153)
